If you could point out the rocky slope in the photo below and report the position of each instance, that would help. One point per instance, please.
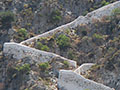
(38, 16)
(83, 43)
(93, 38)
(96, 42)
(25, 74)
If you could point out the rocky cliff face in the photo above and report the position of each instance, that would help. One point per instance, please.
(25, 74)
(38, 16)
(93, 38)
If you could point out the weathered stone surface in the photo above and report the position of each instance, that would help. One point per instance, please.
(83, 68)
(69, 80)
(21, 51)
(103, 11)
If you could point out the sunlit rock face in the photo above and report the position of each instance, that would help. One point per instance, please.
(68, 80)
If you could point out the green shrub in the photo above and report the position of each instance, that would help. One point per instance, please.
(23, 68)
(20, 38)
(40, 46)
(104, 2)
(97, 36)
(91, 9)
(56, 16)
(63, 41)
(44, 66)
(22, 33)
(45, 48)
(95, 67)
(6, 18)
(116, 12)
(66, 64)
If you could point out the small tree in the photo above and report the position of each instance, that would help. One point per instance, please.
(104, 2)
(63, 41)
(40, 46)
(66, 64)
(22, 33)
(45, 48)
(44, 66)
(56, 16)
(23, 68)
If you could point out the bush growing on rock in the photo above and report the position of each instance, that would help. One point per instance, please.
(44, 66)
(56, 16)
(66, 64)
(45, 48)
(116, 12)
(23, 68)
(98, 39)
(40, 46)
(104, 2)
(63, 41)
(22, 33)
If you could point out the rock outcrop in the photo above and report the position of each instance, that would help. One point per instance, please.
(19, 51)
(83, 68)
(68, 80)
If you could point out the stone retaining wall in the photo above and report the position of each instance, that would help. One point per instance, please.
(83, 68)
(69, 80)
(19, 51)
